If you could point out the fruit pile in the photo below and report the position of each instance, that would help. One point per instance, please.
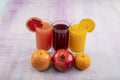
(62, 60)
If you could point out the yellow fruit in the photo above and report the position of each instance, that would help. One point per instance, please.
(41, 60)
(87, 24)
(82, 61)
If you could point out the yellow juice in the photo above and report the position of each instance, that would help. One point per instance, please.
(77, 38)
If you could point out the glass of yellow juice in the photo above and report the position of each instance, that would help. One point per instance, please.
(77, 38)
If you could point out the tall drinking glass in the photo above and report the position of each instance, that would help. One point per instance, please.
(77, 38)
(44, 36)
(60, 35)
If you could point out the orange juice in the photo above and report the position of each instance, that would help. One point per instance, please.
(77, 38)
(44, 36)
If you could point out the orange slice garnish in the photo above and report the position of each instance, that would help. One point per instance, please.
(87, 24)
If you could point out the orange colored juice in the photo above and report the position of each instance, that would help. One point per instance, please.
(44, 36)
(77, 38)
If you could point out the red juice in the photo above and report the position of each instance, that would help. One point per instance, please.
(60, 36)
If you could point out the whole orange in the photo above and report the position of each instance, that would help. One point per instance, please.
(82, 61)
(41, 60)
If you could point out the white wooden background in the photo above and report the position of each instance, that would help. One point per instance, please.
(17, 43)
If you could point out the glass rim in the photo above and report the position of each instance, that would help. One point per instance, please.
(44, 29)
(62, 22)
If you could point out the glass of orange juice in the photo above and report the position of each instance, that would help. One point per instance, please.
(78, 33)
(77, 38)
(44, 36)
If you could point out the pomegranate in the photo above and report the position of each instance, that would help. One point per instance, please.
(63, 60)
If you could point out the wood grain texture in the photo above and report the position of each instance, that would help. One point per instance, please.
(17, 43)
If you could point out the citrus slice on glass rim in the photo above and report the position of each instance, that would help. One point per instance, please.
(87, 24)
(32, 23)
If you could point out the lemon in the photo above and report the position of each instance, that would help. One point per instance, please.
(87, 24)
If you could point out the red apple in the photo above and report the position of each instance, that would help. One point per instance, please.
(63, 60)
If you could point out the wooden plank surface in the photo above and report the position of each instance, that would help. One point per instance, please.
(17, 43)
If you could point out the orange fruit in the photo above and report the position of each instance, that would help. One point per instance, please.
(82, 61)
(41, 60)
(32, 23)
(87, 24)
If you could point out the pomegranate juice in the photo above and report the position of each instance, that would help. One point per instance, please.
(60, 36)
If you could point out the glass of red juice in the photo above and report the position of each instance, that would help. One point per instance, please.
(60, 35)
